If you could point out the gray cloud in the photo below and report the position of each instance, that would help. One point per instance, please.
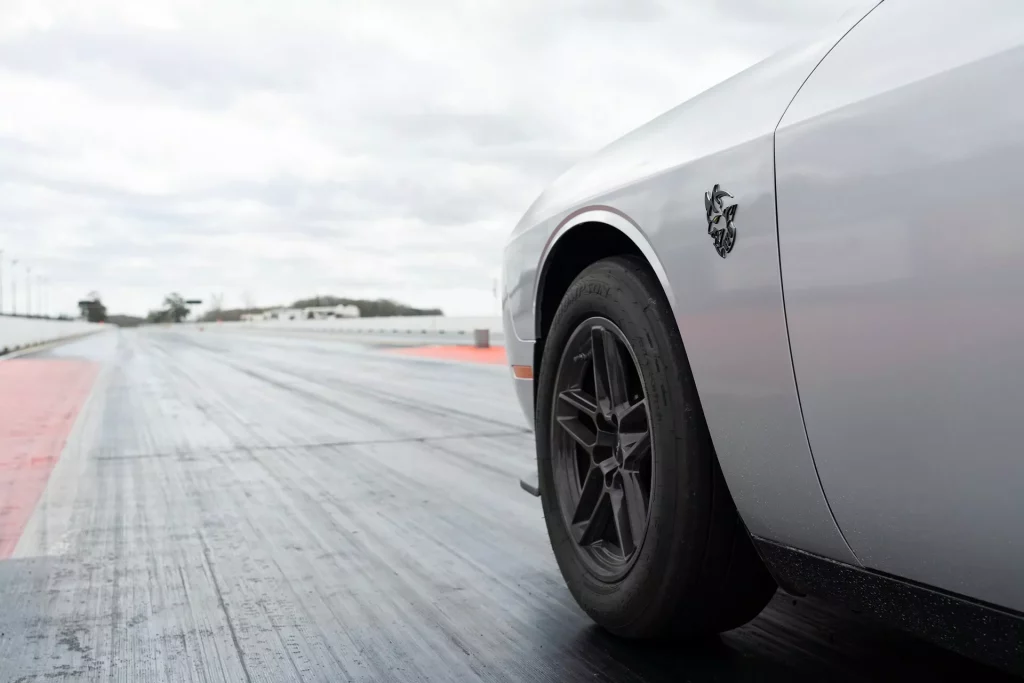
(171, 60)
(369, 149)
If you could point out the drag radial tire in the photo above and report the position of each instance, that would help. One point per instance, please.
(642, 525)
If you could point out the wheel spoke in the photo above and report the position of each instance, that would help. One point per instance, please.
(590, 517)
(609, 375)
(635, 502)
(580, 432)
(581, 401)
(636, 447)
(634, 418)
(634, 435)
(623, 525)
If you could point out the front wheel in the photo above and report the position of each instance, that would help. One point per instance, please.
(640, 520)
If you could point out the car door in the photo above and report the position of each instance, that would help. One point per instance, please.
(901, 238)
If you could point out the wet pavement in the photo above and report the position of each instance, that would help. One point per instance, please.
(234, 507)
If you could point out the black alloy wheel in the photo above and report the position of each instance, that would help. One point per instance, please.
(638, 513)
(602, 448)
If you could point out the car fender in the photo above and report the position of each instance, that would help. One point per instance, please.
(614, 218)
(650, 185)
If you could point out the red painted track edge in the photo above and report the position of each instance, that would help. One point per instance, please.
(40, 400)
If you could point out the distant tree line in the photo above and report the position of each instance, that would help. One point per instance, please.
(368, 308)
(122, 320)
(175, 309)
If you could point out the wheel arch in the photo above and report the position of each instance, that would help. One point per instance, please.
(583, 238)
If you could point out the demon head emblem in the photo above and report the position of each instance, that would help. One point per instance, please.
(720, 220)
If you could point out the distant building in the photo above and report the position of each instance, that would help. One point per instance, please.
(308, 313)
(323, 312)
(285, 314)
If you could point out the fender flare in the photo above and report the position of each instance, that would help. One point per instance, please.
(614, 219)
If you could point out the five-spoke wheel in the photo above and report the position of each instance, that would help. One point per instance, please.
(602, 446)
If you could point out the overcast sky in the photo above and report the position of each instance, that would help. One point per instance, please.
(270, 150)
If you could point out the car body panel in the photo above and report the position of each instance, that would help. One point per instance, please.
(900, 203)
(729, 311)
(739, 109)
(519, 352)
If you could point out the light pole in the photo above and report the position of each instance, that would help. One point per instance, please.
(1, 281)
(28, 290)
(14, 288)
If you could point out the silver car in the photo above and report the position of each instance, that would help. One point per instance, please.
(775, 338)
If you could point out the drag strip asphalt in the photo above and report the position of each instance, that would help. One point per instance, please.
(236, 507)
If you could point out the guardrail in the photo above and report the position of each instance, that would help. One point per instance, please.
(20, 333)
(434, 329)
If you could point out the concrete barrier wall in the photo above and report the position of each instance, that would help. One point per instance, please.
(19, 333)
(397, 327)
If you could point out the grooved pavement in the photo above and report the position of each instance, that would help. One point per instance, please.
(265, 508)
